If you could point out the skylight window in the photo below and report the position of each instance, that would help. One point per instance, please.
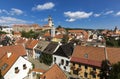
(86, 55)
(4, 66)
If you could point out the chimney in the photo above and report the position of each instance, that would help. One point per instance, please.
(106, 56)
(9, 54)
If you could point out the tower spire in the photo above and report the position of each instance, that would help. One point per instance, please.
(50, 23)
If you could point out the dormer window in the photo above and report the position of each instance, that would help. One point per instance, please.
(24, 66)
(16, 70)
(86, 55)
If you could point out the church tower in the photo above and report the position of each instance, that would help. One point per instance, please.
(50, 23)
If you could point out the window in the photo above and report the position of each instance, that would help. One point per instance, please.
(59, 64)
(16, 70)
(86, 67)
(79, 65)
(73, 64)
(85, 74)
(62, 61)
(24, 66)
(67, 63)
(54, 59)
(94, 68)
(86, 55)
(64, 67)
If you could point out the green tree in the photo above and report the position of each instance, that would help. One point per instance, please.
(105, 69)
(46, 58)
(115, 72)
(65, 39)
(30, 34)
(2, 32)
(111, 42)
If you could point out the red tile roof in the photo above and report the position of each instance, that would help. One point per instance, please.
(17, 33)
(79, 31)
(47, 34)
(113, 55)
(88, 55)
(59, 36)
(31, 43)
(16, 51)
(54, 73)
(21, 41)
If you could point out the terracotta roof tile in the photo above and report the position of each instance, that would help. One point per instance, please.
(16, 51)
(88, 55)
(113, 55)
(79, 31)
(21, 41)
(47, 34)
(59, 36)
(54, 73)
(31, 43)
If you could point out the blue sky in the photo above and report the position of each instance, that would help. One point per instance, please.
(93, 14)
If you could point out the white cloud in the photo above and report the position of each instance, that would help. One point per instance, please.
(76, 15)
(118, 13)
(109, 12)
(4, 11)
(15, 11)
(44, 20)
(46, 6)
(70, 20)
(97, 15)
(11, 20)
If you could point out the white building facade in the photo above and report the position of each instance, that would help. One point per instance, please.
(19, 69)
(62, 62)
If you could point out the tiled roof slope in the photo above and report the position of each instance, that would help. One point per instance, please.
(31, 43)
(5, 61)
(54, 73)
(21, 41)
(50, 48)
(65, 50)
(113, 55)
(41, 45)
(88, 55)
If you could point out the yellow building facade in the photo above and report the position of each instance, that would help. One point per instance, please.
(84, 71)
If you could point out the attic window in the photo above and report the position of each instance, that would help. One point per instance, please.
(86, 55)
(24, 66)
(62, 61)
(16, 70)
(67, 63)
(54, 59)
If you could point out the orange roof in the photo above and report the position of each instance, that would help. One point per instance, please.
(21, 41)
(30, 44)
(16, 51)
(59, 36)
(88, 55)
(113, 55)
(61, 29)
(47, 34)
(54, 73)
(17, 33)
(46, 25)
(79, 31)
